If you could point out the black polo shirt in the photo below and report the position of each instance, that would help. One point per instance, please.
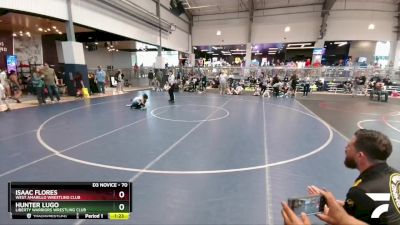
(375, 179)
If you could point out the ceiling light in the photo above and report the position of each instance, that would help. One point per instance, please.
(14, 34)
(273, 49)
(48, 29)
(27, 33)
(40, 29)
(298, 44)
(204, 50)
(371, 26)
(45, 31)
(238, 50)
(86, 46)
(20, 32)
(311, 47)
(54, 27)
(60, 32)
(96, 43)
(340, 43)
(210, 52)
(89, 38)
(287, 29)
(219, 33)
(117, 50)
(194, 48)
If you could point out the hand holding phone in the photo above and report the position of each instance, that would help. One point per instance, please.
(309, 205)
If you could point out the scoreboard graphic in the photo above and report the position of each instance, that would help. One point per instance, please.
(70, 200)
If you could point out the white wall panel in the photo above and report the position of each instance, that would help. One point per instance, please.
(305, 22)
(270, 29)
(177, 38)
(110, 21)
(103, 58)
(351, 25)
(52, 8)
(234, 31)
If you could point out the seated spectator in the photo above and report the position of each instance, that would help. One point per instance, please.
(238, 90)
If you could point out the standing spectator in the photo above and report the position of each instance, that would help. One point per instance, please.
(150, 76)
(367, 152)
(3, 97)
(119, 79)
(293, 84)
(4, 81)
(306, 87)
(171, 82)
(223, 82)
(92, 84)
(136, 70)
(38, 84)
(15, 86)
(356, 82)
(308, 63)
(141, 70)
(100, 79)
(78, 82)
(50, 81)
(276, 85)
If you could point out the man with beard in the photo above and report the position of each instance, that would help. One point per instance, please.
(367, 152)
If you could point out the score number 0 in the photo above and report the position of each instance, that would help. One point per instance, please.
(121, 194)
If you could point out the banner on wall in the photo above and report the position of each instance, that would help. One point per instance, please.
(11, 62)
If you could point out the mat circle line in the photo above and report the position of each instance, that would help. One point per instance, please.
(189, 121)
(178, 172)
(375, 120)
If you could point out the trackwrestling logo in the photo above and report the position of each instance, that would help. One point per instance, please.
(385, 197)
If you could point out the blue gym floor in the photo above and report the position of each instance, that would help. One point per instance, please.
(207, 159)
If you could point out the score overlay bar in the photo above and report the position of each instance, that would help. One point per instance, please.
(69, 200)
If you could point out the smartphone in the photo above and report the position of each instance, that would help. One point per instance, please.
(309, 205)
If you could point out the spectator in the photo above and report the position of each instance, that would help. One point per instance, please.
(306, 88)
(238, 90)
(223, 82)
(4, 81)
(100, 79)
(15, 86)
(50, 79)
(150, 76)
(171, 82)
(78, 83)
(367, 152)
(92, 84)
(38, 84)
(119, 78)
(3, 98)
